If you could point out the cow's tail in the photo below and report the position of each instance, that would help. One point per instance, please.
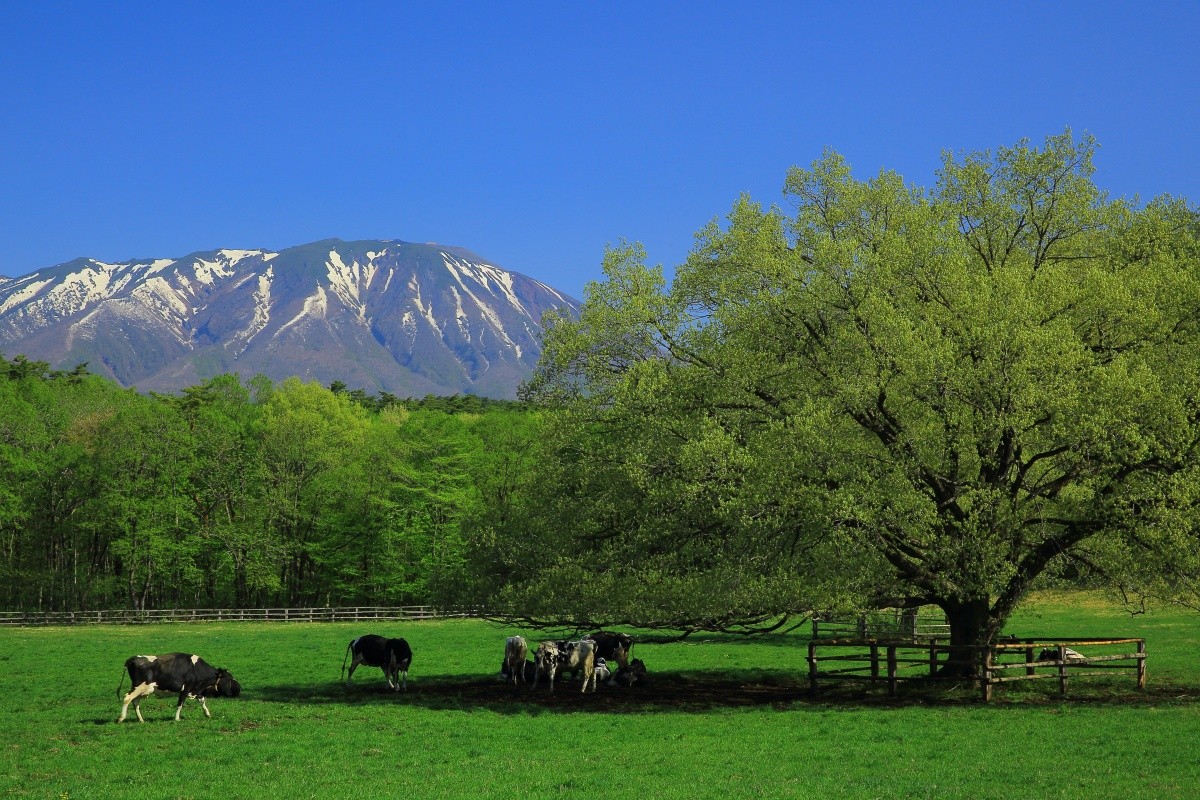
(122, 683)
(346, 657)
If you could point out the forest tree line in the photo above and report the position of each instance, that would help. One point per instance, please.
(241, 494)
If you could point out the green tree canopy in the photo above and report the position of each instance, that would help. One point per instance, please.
(889, 395)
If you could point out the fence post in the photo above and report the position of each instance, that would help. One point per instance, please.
(1029, 659)
(874, 663)
(985, 675)
(891, 670)
(812, 668)
(932, 657)
(1141, 665)
(1062, 669)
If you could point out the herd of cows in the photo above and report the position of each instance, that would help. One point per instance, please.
(191, 676)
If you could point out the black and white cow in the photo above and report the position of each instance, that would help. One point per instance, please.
(187, 674)
(551, 657)
(528, 673)
(393, 656)
(628, 676)
(515, 651)
(611, 645)
(1069, 655)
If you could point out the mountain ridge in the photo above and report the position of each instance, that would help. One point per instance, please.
(378, 314)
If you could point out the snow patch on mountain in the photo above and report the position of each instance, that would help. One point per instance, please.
(158, 294)
(454, 265)
(261, 314)
(350, 282)
(427, 312)
(234, 256)
(21, 295)
(209, 272)
(316, 306)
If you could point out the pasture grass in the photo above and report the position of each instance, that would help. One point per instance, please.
(721, 717)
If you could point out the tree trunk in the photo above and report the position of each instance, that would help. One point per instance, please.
(971, 625)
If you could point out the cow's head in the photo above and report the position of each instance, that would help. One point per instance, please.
(224, 685)
(546, 655)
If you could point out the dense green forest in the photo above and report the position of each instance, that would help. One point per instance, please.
(240, 494)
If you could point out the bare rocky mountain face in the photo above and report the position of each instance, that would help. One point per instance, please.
(410, 319)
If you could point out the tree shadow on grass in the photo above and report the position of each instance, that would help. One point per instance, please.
(691, 692)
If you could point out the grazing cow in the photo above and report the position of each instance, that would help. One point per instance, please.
(515, 651)
(551, 657)
(611, 645)
(603, 673)
(628, 676)
(186, 674)
(393, 656)
(528, 674)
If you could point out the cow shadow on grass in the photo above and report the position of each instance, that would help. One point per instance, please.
(662, 692)
(690, 692)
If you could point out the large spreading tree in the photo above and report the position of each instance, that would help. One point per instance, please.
(885, 395)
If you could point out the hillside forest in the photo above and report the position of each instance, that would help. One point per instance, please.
(237, 494)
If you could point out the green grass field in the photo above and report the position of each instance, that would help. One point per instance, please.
(722, 717)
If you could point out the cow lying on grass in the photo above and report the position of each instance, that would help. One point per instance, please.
(1068, 655)
(628, 676)
(528, 672)
(393, 656)
(189, 675)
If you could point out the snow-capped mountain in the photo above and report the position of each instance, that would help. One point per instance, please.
(410, 319)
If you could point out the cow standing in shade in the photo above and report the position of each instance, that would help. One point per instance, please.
(189, 675)
(515, 651)
(393, 656)
(551, 657)
(612, 646)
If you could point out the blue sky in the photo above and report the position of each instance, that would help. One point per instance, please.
(534, 134)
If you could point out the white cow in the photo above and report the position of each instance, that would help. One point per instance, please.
(515, 651)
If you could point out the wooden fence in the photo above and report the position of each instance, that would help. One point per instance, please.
(900, 624)
(892, 662)
(129, 616)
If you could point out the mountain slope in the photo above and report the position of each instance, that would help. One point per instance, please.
(405, 318)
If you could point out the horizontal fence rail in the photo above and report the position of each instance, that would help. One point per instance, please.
(910, 625)
(130, 616)
(892, 662)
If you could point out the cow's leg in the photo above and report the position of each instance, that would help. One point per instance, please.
(183, 695)
(353, 666)
(552, 670)
(135, 696)
(404, 679)
(204, 705)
